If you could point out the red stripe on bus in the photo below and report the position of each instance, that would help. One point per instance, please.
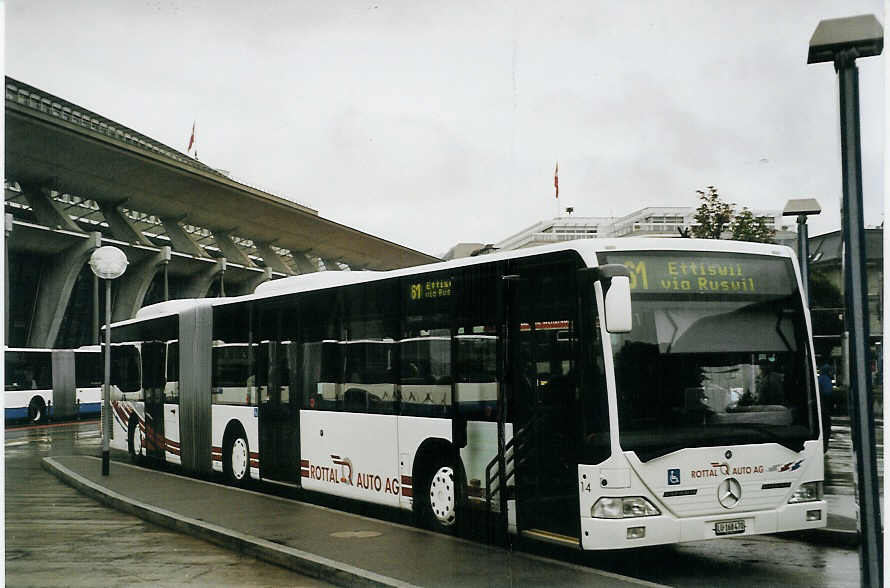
(304, 473)
(407, 492)
(254, 454)
(407, 481)
(304, 463)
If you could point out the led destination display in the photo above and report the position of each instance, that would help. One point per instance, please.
(706, 274)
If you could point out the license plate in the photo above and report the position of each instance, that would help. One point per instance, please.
(729, 527)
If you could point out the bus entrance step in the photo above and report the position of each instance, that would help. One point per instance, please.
(551, 537)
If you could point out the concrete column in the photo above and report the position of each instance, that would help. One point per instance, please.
(48, 212)
(120, 226)
(304, 264)
(230, 250)
(55, 290)
(200, 282)
(248, 286)
(134, 285)
(182, 241)
(271, 259)
(6, 279)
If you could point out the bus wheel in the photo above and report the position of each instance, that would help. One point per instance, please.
(443, 499)
(237, 459)
(36, 410)
(134, 443)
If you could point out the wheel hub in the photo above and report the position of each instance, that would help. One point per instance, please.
(239, 458)
(442, 496)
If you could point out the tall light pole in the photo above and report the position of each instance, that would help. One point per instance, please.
(107, 263)
(802, 208)
(842, 41)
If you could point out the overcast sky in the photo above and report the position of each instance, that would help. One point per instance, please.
(431, 123)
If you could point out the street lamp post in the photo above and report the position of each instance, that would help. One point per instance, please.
(107, 263)
(842, 41)
(802, 208)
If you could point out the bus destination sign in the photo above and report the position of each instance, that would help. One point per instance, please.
(430, 289)
(682, 272)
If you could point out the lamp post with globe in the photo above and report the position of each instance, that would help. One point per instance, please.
(107, 263)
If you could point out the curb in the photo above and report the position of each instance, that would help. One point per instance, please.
(287, 557)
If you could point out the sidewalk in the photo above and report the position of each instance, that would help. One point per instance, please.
(337, 547)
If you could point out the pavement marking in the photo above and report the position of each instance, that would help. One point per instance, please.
(180, 522)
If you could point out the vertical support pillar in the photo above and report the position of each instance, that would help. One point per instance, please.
(803, 256)
(8, 221)
(856, 320)
(55, 291)
(135, 283)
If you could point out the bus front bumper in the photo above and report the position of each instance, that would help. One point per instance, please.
(665, 528)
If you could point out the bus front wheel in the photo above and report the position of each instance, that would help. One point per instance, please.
(442, 499)
(237, 459)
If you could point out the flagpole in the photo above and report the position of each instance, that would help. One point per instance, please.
(556, 186)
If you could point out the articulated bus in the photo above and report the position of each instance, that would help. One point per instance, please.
(600, 393)
(57, 383)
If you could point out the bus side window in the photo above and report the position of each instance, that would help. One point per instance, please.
(426, 378)
(368, 348)
(171, 379)
(88, 369)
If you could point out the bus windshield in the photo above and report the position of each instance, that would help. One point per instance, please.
(718, 354)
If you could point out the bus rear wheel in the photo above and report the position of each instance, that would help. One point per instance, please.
(236, 456)
(36, 410)
(442, 501)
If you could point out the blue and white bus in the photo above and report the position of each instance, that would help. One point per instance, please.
(58, 383)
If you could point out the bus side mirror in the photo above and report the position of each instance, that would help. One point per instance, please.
(618, 314)
(615, 279)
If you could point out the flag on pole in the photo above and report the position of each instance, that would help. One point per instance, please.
(556, 180)
(191, 139)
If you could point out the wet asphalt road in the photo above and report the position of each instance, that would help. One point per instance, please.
(56, 536)
(45, 546)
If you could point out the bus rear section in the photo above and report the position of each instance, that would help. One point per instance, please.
(718, 416)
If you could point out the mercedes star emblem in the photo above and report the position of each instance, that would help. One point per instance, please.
(729, 492)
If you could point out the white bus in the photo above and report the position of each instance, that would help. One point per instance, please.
(643, 391)
(57, 383)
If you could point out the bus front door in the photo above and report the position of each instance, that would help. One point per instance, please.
(543, 378)
(278, 414)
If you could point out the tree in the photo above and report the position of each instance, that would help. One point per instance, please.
(747, 227)
(716, 217)
(712, 216)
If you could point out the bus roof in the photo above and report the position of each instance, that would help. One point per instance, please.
(586, 248)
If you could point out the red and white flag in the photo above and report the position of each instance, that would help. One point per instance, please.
(191, 139)
(556, 180)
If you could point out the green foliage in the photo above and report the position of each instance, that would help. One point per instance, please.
(716, 217)
(713, 215)
(747, 227)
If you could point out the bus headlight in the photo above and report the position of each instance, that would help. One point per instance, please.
(807, 492)
(623, 507)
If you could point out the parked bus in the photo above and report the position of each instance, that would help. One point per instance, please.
(640, 391)
(58, 383)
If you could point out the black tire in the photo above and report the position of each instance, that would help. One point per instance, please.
(236, 459)
(36, 410)
(441, 499)
(135, 448)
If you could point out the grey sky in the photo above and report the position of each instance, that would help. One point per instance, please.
(432, 123)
